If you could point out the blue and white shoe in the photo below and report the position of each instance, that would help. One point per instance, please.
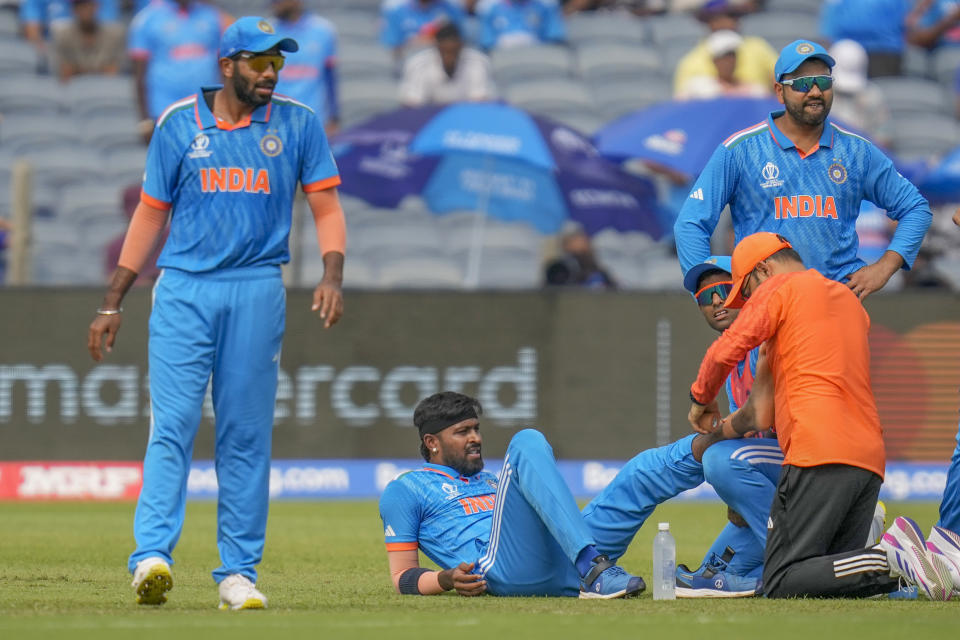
(909, 558)
(607, 581)
(714, 580)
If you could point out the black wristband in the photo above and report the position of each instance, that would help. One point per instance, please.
(409, 583)
(695, 401)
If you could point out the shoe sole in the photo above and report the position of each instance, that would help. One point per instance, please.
(154, 586)
(249, 603)
(684, 592)
(589, 595)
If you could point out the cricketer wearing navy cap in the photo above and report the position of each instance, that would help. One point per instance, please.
(801, 175)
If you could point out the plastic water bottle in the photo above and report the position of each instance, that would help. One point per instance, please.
(664, 564)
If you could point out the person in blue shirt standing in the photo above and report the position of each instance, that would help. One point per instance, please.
(413, 23)
(512, 23)
(310, 74)
(880, 26)
(223, 165)
(936, 24)
(800, 175)
(173, 45)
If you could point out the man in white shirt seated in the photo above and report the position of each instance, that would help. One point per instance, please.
(447, 72)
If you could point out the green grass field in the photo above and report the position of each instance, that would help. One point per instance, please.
(63, 574)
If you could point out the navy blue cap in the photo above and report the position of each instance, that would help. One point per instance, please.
(253, 34)
(712, 263)
(796, 53)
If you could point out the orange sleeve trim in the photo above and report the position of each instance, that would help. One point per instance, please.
(329, 221)
(402, 546)
(320, 185)
(146, 226)
(150, 201)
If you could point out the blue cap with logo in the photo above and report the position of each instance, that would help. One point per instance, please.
(253, 34)
(796, 53)
(713, 263)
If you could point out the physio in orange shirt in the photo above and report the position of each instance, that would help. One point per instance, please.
(822, 405)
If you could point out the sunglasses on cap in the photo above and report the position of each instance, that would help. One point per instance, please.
(705, 296)
(805, 83)
(260, 61)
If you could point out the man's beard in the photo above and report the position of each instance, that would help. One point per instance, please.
(798, 113)
(246, 92)
(463, 466)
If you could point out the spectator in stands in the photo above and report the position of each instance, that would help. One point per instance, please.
(518, 23)
(411, 24)
(447, 72)
(173, 45)
(577, 265)
(754, 56)
(934, 23)
(43, 18)
(723, 46)
(878, 25)
(150, 272)
(310, 74)
(858, 102)
(86, 45)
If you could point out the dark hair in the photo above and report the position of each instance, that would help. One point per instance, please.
(449, 31)
(786, 255)
(710, 272)
(446, 405)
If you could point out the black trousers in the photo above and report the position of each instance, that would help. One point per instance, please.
(819, 520)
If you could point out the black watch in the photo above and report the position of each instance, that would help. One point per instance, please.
(695, 401)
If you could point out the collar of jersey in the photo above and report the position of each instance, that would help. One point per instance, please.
(444, 470)
(826, 138)
(206, 119)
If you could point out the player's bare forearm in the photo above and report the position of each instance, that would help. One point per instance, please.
(328, 296)
(956, 217)
(103, 330)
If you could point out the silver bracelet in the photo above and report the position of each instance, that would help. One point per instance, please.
(109, 312)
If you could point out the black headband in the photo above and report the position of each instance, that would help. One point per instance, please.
(437, 425)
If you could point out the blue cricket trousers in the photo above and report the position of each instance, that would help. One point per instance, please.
(225, 326)
(950, 506)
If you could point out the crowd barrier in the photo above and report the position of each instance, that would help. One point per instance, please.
(602, 375)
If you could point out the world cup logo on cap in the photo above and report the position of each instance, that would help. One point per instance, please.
(271, 145)
(265, 26)
(804, 48)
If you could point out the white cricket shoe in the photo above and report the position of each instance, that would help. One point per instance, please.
(152, 580)
(945, 544)
(237, 592)
(908, 558)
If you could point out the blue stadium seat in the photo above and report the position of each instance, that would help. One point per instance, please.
(903, 94)
(585, 29)
(532, 63)
(617, 62)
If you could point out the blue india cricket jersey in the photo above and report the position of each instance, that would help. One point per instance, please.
(303, 73)
(523, 22)
(180, 48)
(443, 514)
(231, 187)
(49, 11)
(404, 20)
(811, 199)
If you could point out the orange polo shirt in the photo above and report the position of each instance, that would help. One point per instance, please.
(816, 334)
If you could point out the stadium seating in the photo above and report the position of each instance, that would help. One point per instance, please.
(511, 66)
(904, 94)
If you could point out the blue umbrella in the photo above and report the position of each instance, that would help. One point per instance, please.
(681, 135)
(494, 158)
(942, 182)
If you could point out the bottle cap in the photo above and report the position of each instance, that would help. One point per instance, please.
(663, 526)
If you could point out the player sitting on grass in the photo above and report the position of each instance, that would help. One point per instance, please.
(521, 534)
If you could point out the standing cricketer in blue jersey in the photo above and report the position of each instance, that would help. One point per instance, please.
(310, 74)
(413, 23)
(802, 176)
(224, 163)
(513, 23)
(173, 46)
